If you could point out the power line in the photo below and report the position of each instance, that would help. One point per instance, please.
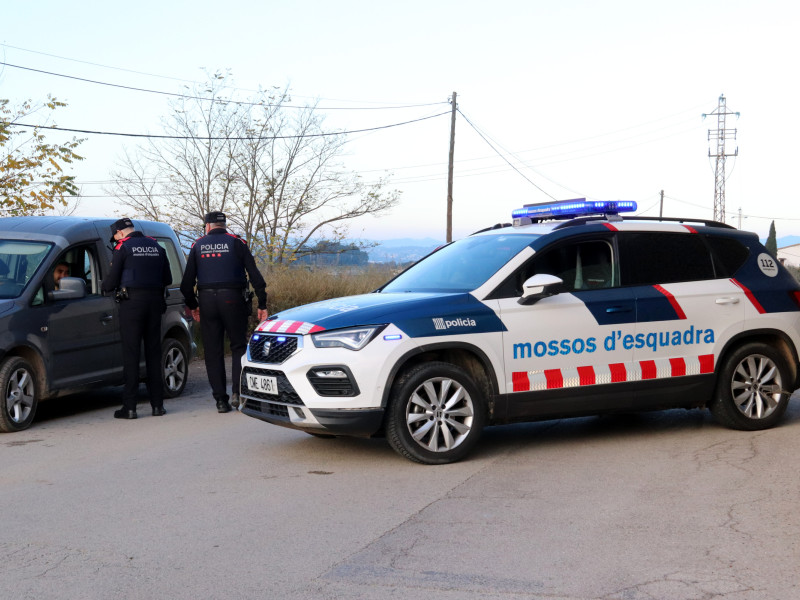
(501, 155)
(222, 101)
(193, 81)
(232, 138)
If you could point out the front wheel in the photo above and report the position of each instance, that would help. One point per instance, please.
(174, 367)
(436, 414)
(751, 390)
(20, 396)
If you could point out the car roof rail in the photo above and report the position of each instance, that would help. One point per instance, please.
(682, 220)
(495, 226)
(705, 222)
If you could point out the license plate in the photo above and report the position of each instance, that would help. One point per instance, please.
(265, 384)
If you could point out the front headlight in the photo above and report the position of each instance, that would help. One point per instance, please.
(354, 338)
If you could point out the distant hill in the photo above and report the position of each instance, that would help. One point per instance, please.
(401, 250)
(787, 240)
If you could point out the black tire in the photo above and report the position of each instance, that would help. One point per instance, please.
(174, 367)
(20, 394)
(436, 414)
(751, 390)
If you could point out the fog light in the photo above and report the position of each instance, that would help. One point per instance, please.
(330, 373)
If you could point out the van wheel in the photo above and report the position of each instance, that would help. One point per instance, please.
(174, 367)
(19, 394)
(751, 390)
(436, 414)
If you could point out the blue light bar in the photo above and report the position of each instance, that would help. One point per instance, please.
(568, 209)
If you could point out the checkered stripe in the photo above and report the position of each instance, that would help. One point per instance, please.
(284, 326)
(660, 368)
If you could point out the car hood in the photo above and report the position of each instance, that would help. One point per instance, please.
(416, 314)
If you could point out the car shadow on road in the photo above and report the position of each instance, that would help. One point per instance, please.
(81, 402)
(504, 438)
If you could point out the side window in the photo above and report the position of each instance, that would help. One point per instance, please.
(650, 258)
(78, 261)
(581, 265)
(729, 255)
(174, 261)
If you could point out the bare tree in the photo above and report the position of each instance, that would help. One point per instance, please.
(179, 179)
(296, 187)
(271, 167)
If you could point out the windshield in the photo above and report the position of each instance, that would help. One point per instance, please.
(462, 266)
(18, 262)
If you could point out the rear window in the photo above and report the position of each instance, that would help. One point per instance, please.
(729, 254)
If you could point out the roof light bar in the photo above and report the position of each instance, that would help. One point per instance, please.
(568, 209)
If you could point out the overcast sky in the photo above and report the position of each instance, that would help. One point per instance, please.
(596, 99)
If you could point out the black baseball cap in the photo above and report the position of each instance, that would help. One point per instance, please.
(215, 217)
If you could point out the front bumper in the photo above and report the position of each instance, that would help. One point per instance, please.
(363, 422)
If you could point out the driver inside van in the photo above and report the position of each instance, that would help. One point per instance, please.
(61, 270)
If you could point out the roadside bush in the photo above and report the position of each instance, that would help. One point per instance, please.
(290, 287)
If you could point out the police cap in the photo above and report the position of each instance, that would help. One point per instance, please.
(215, 217)
(118, 225)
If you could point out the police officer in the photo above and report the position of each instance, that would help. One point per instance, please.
(139, 273)
(220, 262)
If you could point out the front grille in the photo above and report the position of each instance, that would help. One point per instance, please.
(267, 348)
(286, 393)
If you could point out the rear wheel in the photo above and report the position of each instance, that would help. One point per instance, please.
(20, 396)
(436, 414)
(174, 367)
(751, 391)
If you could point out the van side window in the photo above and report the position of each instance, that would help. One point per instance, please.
(650, 258)
(78, 261)
(174, 261)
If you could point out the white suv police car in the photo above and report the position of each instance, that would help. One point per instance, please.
(571, 311)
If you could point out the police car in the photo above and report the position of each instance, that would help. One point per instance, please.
(570, 311)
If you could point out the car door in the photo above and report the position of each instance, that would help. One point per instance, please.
(82, 334)
(564, 344)
(685, 308)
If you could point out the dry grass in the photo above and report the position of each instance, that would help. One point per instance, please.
(287, 288)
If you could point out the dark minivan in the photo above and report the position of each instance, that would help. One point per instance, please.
(57, 339)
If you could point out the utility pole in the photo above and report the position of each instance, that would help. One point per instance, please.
(720, 135)
(450, 170)
(661, 207)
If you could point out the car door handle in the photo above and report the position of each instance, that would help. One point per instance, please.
(618, 309)
(106, 318)
(727, 301)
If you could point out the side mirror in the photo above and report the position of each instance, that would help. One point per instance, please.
(540, 286)
(71, 288)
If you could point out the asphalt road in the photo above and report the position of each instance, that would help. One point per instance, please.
(199, 505)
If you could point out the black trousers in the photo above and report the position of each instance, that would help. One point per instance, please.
(140, 320)
(223, 311)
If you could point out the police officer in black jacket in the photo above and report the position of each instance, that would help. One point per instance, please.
(221, 262)
(139, 274)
